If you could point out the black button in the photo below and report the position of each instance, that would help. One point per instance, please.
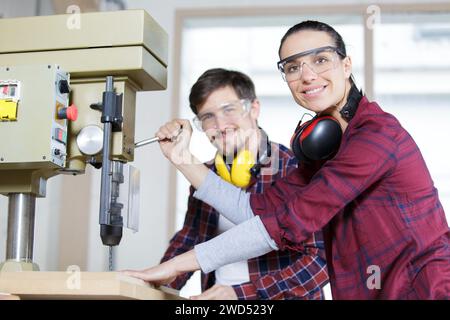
(63, 86)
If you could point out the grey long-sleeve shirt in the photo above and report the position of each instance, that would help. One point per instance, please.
(247, 240)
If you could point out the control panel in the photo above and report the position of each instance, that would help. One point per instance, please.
(34, 116)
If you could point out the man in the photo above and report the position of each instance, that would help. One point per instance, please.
(227, 110)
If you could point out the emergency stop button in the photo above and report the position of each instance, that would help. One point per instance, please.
(69, 113)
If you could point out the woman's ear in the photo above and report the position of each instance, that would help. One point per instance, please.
(255, 109)
(347, 62)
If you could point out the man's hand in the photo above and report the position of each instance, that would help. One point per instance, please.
(161, 274)
(175, 137)
(217, 292)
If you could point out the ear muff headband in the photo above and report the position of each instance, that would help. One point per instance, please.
(222, 169)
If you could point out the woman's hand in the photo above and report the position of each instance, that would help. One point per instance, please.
(161, 274)
(166, 272)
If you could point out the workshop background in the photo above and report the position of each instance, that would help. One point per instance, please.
(401, 57)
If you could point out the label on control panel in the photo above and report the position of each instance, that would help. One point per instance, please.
(9, 99)
(60, 135)
(10, 90)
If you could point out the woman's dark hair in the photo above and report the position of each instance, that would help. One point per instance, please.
(316, 26)
(319, 26)
(214, 79)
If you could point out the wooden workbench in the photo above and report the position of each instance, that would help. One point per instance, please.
(81, 285)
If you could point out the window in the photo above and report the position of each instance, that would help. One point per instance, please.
(412, 81)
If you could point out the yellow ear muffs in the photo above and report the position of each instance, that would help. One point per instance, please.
(240, 170)
(222, 168)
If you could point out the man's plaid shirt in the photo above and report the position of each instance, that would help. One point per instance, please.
(280, 274)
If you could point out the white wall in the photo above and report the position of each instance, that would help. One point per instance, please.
(23, 8)
(17, 8)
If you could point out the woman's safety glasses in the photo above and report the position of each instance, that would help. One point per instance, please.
(318, 60)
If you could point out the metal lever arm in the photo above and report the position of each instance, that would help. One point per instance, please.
(154, 139)
(145, 142)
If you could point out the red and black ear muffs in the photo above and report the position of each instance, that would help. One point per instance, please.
(317, 139)
(320, 138)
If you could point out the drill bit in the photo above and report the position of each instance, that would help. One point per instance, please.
(110, 267)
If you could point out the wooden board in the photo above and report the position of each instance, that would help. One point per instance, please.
(80, 285)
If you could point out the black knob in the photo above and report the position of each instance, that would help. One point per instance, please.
(63, 86)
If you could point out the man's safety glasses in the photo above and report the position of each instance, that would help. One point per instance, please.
(230, 111)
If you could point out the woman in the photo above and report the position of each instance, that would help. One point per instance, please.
(385, 230)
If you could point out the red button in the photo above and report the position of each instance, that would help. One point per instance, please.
(72, 113)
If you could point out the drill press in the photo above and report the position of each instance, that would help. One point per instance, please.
(46, 68)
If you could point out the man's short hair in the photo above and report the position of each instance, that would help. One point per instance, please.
(217, 78)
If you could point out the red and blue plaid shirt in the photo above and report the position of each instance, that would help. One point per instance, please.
(386, 234)
(285, 274)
